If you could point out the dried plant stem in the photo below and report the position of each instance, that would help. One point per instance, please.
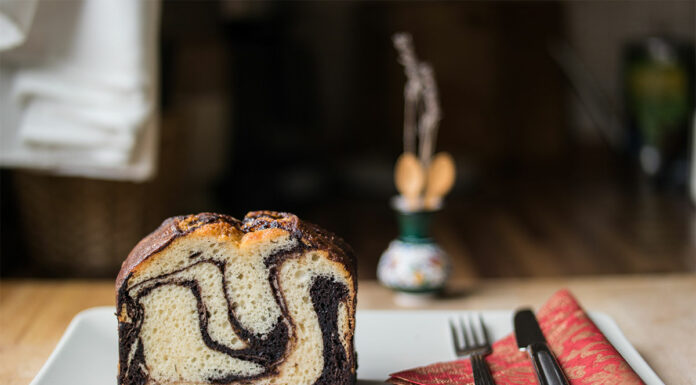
(412, 89)
(421, 119)
(430, 118)
(410, 106)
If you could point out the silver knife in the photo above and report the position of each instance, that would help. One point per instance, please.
(530, 338)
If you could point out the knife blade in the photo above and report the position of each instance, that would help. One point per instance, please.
(530, 338)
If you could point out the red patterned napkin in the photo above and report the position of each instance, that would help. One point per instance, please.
(582, 350)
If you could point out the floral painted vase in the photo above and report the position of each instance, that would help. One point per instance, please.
(414, 263)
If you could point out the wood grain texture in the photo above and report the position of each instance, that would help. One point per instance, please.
(537, 228)
(655, 312)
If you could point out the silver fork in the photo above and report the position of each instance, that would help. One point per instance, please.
(468, 341)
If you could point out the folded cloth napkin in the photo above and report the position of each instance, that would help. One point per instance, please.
(582, 350)
(78, 89)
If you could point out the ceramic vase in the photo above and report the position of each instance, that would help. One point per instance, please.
(414, 263)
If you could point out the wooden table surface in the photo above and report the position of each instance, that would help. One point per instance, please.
(657, 313)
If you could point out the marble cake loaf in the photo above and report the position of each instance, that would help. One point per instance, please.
(209, 299)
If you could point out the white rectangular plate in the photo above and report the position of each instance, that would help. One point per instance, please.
(386, 341)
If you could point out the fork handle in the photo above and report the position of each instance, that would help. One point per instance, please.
(482, 376)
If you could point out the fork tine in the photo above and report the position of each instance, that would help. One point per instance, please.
(455, 338)
(484, 332)
(464, 327)
(474, 331)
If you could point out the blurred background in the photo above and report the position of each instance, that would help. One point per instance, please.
(571, 124)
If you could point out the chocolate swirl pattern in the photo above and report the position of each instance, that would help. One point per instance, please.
(208, 299)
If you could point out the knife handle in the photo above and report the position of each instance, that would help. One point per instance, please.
(547, 368)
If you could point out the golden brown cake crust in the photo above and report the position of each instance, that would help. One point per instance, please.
(172, 228)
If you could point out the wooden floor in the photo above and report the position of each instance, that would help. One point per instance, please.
(540, 229)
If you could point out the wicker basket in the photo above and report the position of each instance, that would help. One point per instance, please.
(85, 227)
